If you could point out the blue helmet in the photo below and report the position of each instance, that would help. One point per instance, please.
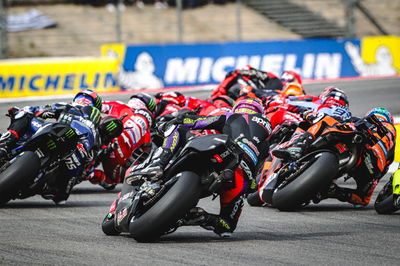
(382, 114)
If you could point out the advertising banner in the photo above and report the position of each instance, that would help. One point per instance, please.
(57, 76)
(155, 66)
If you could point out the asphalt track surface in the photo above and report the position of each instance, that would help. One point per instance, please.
(37, 232)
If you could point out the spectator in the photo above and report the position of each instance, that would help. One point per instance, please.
(112, 4)
(161, 4)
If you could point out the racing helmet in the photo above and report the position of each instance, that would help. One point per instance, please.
(171, 97)
(289, 76)
(109, 128)
(148, 100)
(382, 114)
(248, 106)
(293, 89)
(222, 101)
(88, 98)
(334, 96)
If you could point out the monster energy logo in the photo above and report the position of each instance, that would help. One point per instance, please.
(152, 105)
(51, 145)
(95, 115)
(111, 126)
(70, 133)
(98, 103)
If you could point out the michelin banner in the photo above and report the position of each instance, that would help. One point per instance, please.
(156, 66)
(57, 76)
(133, 67)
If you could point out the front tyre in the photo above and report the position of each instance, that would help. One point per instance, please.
(22, 169)
(300, 190)
(384, 203)
(253, 199)
(108, 226)
(179, 199)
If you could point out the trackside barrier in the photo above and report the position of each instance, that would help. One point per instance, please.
(57, 76)
(174, 65)
(397, 149)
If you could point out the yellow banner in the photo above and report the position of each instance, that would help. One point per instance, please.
(57, 76)
(397, 149)
(382, 52)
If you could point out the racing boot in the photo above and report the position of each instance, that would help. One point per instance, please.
(63, 189)
(333, 192)
(296, 149)
(198, 216)
(7, 141)
(154, 170)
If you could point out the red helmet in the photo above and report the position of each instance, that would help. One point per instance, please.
(248, 106)
(334, 96)
(173, 97)
(289, 76)
(222, 101)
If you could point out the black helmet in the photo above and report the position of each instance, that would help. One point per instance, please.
(109, 128)
(147, 99)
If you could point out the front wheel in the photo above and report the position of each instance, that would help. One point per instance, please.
(21, 170)
(179, 199)
(108, 227)
(384, 203)
(253, 199)
(302, 188)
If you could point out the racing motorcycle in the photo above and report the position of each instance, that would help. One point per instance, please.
(388, 199)
(290, 184)
(153, 208)
(35, 164)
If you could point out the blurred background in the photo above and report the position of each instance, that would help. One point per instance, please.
(42, 28)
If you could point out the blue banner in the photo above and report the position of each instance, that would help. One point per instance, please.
(155, 66)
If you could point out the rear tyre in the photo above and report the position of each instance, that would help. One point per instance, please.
(254, 200)
(299, 191)
(23, 168)
(163, 215)
(384, 203)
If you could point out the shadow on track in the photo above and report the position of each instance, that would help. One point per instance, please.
(341, 206)
(51, 205)
(204, 237)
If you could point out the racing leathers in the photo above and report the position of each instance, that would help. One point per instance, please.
(376, 156)
(250, 132)
(84, 120)
(134, 138)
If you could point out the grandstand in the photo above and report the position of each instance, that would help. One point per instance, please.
(81, 29)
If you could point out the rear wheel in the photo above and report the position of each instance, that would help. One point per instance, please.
(163, 215)
(384, 203)
(21, 170)
(316, 176)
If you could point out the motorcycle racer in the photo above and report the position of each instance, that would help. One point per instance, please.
(238, 81)
(83, 114)
(248, 127)
(378, 153)
(138, 118)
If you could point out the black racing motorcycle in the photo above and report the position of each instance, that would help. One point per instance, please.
(34, 166)
(153, 208)
(290, 184)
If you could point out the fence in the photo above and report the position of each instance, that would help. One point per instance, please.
(82, 29)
